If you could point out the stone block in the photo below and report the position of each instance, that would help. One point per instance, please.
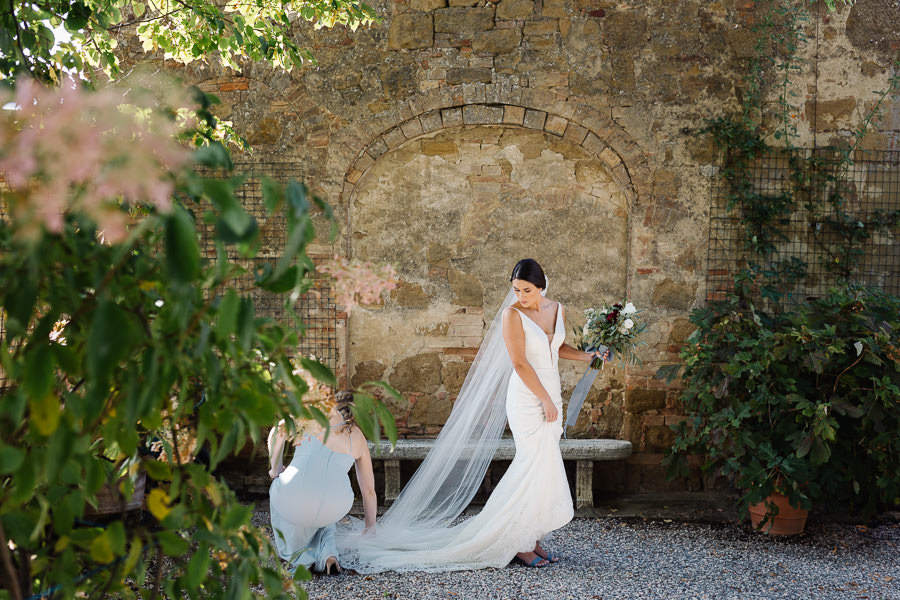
(515, 9)
(438, 255)
(418, 374)
(393, 137)
(547, 79)
(625, 30)
(658, 438)
(453, 374)
(412, 128)
(436, 148)
(556, 9)
(467, 289)
(430, 411)
(514, 115)
(674, 295)
(829, 114)
(534, 119)
(427, 5)
(479, 114)
(367, 371)
(497, 41)
(665, 183)
(377, 149)
(555, 125)
(575, 133)
(267, 131)
(409, 295)
(463, 20)
(680, 331)
(431, 121)
(474, 93)
(593, 143)
(411, 31)
(541, 27)
(461, 76)
(639, 400)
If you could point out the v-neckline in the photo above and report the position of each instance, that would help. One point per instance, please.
(550, 335)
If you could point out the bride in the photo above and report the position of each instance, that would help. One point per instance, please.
(515, 376)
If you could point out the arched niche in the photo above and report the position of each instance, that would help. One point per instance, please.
(453, 210)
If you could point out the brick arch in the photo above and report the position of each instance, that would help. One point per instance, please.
(579, 124)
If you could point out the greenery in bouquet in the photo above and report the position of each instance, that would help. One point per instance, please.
(616, 327)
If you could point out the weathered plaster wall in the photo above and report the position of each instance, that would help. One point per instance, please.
(461, 135)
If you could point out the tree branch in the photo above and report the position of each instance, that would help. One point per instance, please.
(12, 575)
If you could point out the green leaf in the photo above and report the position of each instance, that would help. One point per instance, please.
(226, 323)
(286, 282)
(246, 324)
(10, 459)
(45, 413)
(182, 249)
(157, 470)
(77, 17)
(101, 548)
(300, 234)
(387, 422)
(172, 543)
(236, 517)
(364, 414)
(319, 371)
(197, 567)
(272, 193)
(38, 372)
(19, 304)
(112, 334)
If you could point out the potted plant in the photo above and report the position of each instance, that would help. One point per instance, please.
(801, 403)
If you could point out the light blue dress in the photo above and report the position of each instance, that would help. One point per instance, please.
(306, 500)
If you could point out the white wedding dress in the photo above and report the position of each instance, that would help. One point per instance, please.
(531, 500)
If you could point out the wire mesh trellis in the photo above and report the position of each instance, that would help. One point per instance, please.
(856, 242)
(320, 317)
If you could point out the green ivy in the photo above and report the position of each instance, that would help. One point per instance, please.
(799, 400)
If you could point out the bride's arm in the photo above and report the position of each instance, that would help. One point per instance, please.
(514, 337)
(569, 353)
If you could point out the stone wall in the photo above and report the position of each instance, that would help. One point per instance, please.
(458, 136)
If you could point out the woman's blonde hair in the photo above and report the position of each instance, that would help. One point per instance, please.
(344, 406)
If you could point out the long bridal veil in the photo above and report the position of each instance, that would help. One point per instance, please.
(448, 478)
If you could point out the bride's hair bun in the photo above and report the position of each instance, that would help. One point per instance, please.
(529, 270)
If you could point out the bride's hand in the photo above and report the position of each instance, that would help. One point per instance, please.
(605, 356)
(550, 411)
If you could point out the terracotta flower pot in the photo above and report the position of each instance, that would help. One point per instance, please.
(788, 521)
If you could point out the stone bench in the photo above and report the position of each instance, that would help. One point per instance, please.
(585, 452)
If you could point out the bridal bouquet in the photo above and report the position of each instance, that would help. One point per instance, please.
(617, 327)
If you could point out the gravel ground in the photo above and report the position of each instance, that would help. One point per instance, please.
(613, 558)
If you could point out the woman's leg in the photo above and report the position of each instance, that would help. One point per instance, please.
(323, 547)
(539, 550)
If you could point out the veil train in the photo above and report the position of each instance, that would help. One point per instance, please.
(450, 475)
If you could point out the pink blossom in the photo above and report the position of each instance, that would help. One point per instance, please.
(359, 282)
(69, 150)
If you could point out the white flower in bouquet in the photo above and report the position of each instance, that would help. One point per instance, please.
(616, 327)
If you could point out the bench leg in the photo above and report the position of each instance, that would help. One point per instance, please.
(391, 481)
(584, 484)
